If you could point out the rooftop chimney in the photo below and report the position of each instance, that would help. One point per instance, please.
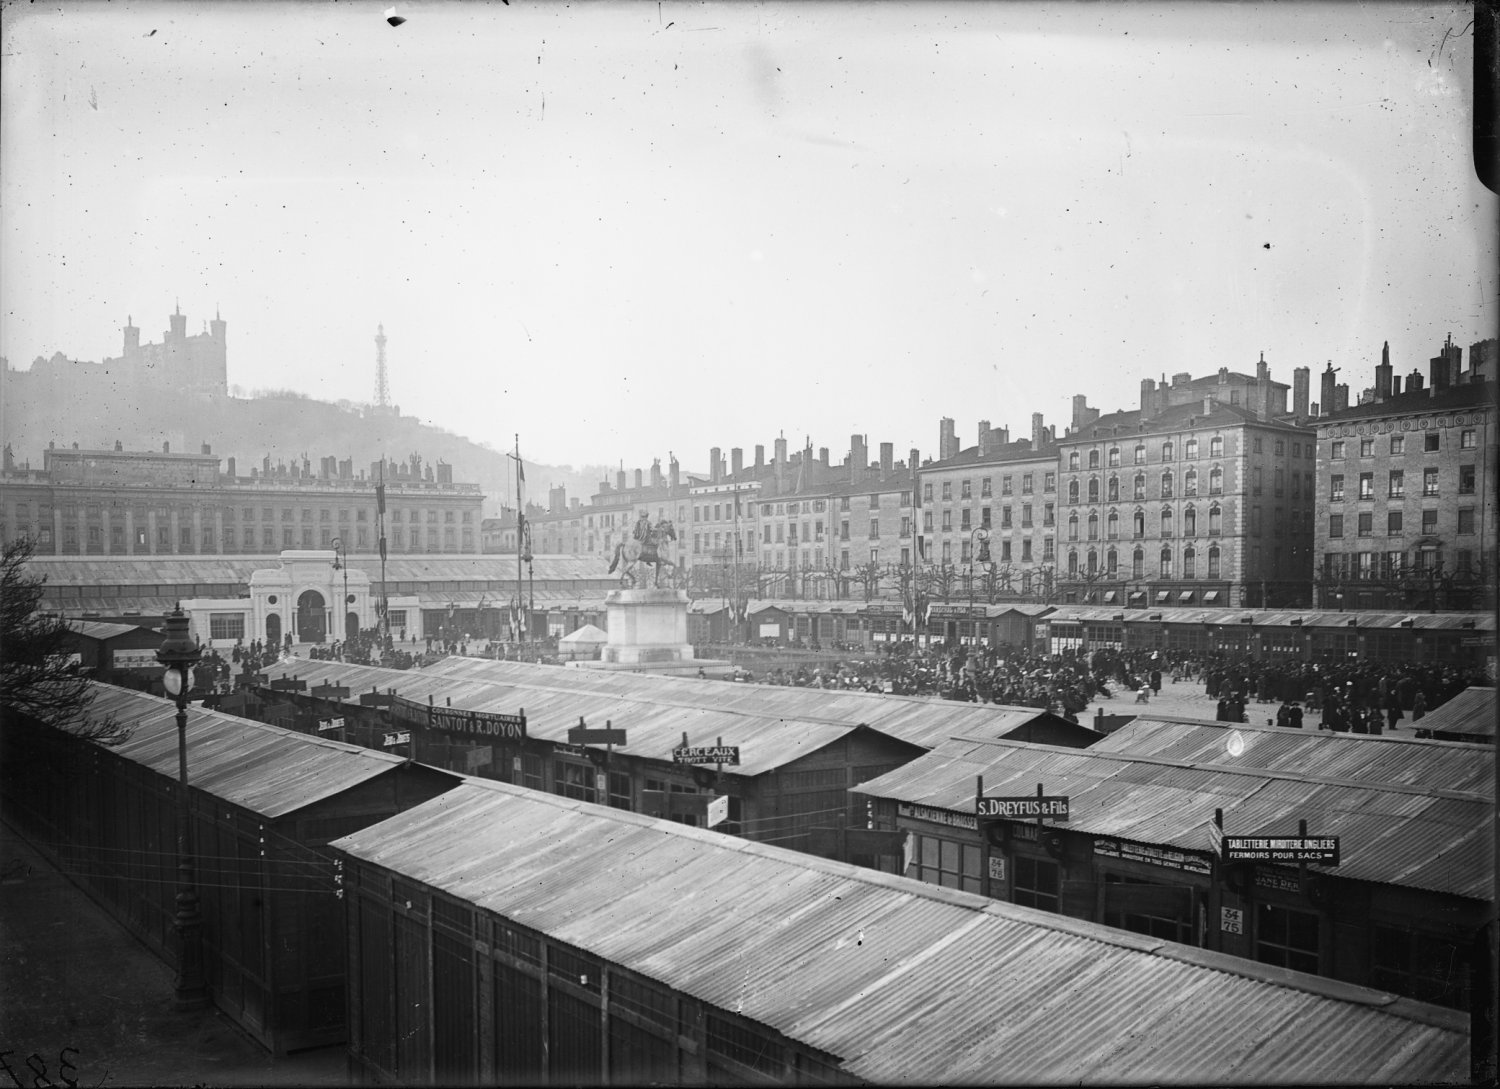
(1038, 432)
(1383, 374)
(947, 439)
(656, 472)
(887, 456)
(859, 457)
(779, 448)
(1301, 390)
(1327, 381)
(1262, 372)
(620, 480)
(736, 461)
(760, 456)
(638, 481)
(713, 464)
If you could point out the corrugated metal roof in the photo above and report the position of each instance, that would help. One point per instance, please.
(1395, 760)
(1391, 833)
(554, 697)
(1471, 712)
(901, 981)
(262, 768)
(94, 629)
(1261, 618)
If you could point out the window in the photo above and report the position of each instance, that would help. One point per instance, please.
(946, 862)
(1072, 527)
(1166, 450)
(1114, 489)
(1366, 448)
(1393, 523)
(1216, 481)
(1280, 482)
(1397, 486)
(1213, 562)
(1166, 563)
(1255, 445)
(1190, 482)
(1140, 455)
(1025, 515)
(1367, 485)
(1216, 447)
(1114, 456)
(926, 496)
(1026, 484)
(1215, 520)
(1073, 461)
(1166, 484)
(875, 523)
(985, 490)
(1335, 525)
(1005, 488)
(1094, 490)
(1189, 560)
(1255, 482)
(947, 522)
(1190, 449)
(1048, 549)
(1429, 522)
(1398, 444)
(1072, 565)
(1465, 520)
(1005, 518)
(1336, 451)
(1140, 485)
(947, 489)
(1430, 441)
(1366, 524)
(1137, 564)
(226, 625)
(1036, 883)
(1138, 525)
(1429, 482)
(1049, 482)
(1026, 552)
(1072, 491)
(1093, 526)
(984, 520)
(1189, 523)
(1166, 521)
(1466, 439)
(1466, 480)
(1336, 488)
(1419, 966)
(1286, 937)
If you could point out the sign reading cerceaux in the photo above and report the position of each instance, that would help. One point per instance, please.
(1053, 807)
(1322, 849)
(706, 754)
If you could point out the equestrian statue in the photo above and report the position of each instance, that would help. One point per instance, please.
(643, 548)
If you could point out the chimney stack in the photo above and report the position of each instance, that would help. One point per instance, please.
(859, 458)
(1327, 381)
(231, 469)
(947, 439)
(912, 461)
(1301, 390)
(1383, 374)
(779, 449)
(1262, 371)
(638, 480)
(674, 473)
(656, 472)
(736, 461)
(760, 456)
(887, 456)
(620, 481)
(1038, 432)
(713, 464)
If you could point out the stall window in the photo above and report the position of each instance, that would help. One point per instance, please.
(531, 772)
(619, 790)
(1156, 926)
(1419, 966)
(1286, 937)
(946, 862)
(1036, 883)
(575, 781)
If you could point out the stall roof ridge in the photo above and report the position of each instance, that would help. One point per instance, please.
(1127, 757)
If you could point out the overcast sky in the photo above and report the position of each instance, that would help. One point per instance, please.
(623, 229)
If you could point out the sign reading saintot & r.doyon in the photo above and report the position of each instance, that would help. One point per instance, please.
(706, 754)
(1320, 849)
(1049, 806)
(452, 720)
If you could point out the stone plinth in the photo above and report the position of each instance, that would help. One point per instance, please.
(647, 627)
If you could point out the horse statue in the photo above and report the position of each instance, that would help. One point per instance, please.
(642, 548)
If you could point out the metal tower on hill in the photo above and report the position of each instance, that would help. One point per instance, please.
(382, 385)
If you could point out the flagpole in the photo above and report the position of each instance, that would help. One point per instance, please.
(520, 545)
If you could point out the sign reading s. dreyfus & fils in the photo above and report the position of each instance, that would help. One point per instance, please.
(1323, 850)
(454, 720)
(1052, 807)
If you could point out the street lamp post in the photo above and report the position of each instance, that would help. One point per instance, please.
(340, 563)
(178, 654)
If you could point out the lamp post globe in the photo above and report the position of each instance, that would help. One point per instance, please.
(178, 654)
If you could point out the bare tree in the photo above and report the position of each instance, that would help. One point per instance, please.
(38, 675)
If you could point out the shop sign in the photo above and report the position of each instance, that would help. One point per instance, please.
(706, 754)
(1028, 807)
(136, 659)
(1232, 920)
(937, 816)
(997, 867)
(452, 720)
(1323, 850)
(718, 811)
(326, 724)
(1165, 857)
(1278, 881)
(402, 737)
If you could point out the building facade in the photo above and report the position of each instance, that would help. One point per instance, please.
(129, 503)
(1406, 490)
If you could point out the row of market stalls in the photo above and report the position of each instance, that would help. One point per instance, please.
(1302, 635)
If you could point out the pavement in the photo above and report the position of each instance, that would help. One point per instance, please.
(1186, 699)
(84, 1002)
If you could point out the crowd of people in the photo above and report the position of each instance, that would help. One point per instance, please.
(1356, 695)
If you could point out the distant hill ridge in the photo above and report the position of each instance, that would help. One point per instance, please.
(98, 410)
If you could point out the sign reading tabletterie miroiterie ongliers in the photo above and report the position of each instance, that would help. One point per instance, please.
(454, 720)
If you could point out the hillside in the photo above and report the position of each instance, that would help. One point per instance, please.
(34, 412)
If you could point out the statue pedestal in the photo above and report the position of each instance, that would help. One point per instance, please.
(647, 627)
